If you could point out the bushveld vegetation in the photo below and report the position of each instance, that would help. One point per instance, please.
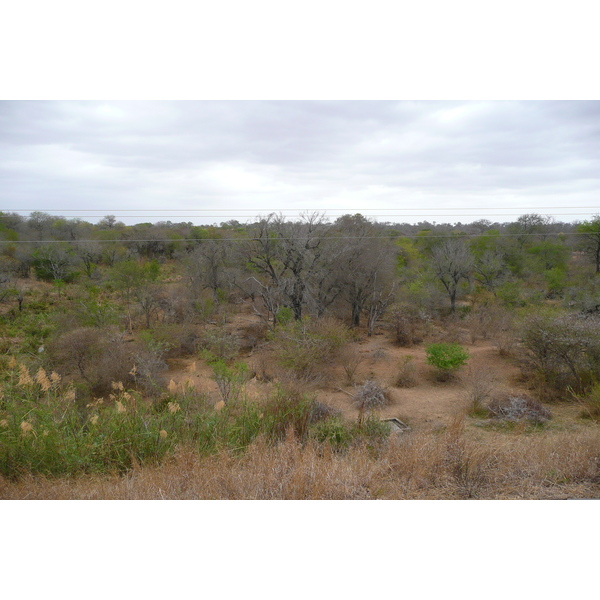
(201, 361)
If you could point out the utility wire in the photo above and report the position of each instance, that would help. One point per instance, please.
(254, 210)
(327, 215)
(277, 239)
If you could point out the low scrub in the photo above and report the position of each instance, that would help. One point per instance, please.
(305, 347)
(513, 407)
(562, 352)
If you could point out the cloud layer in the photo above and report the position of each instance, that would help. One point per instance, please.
(409, 160)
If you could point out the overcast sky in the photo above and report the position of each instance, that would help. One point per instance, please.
(211, 161)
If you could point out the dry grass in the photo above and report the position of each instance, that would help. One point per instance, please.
(452, 464)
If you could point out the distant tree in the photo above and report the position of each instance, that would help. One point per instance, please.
(108, 222)
(54, 263)
(41, 223)
(207, 266)
(490, 269)
(89, 253)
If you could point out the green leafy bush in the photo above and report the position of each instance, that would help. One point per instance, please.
(447, 358)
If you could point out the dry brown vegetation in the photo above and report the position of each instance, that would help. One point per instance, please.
(451, 464)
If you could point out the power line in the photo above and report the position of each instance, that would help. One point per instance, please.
(335, 215)
(254, 210)
(341, 237)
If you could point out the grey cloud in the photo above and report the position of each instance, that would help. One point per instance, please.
(144, 154)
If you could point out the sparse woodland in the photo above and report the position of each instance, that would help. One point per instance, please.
(316, 359)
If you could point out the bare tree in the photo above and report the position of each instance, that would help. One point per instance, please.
(452, 262)
(207, 266)
(365, 267)
(288, 255)
(490, 269)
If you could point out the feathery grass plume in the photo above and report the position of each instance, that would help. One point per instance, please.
(70, 395)
(26, 427)
(54, 378)
(120, 407)
(173, 407)
(219, 405)
(163, 434)
(94, 419)
(4, 423)
(12, 362)
(117, 385)
(172, 386)
(42, 380)
(24, 377)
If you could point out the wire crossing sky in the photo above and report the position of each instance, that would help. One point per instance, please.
(211, 161)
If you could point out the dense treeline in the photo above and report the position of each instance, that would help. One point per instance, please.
(313, 266)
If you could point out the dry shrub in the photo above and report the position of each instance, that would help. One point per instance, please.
(408, 322)
(406, 373)
(498, 324)
(178, 305)
(91, 356)
(369, 397)
(289, 409)
(252, 335)
(563, 350)
(512, 407)
(305, 348)
(350, 358)
(480, 322)
(479, 387)
(180, 340)
(590, 404)
(219, 344)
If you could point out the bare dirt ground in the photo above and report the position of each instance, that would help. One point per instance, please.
(428, 404)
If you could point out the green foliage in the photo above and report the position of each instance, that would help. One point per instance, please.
(54, 263)
(549, 255)
(556, 280)
(333, 431)
(486, 242)
(446, 357)
(284, 315)
(230, 380)
(510, 294)
(44, 430)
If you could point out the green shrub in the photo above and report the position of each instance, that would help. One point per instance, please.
(447, 358)
(332, 431)
(230, 380)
